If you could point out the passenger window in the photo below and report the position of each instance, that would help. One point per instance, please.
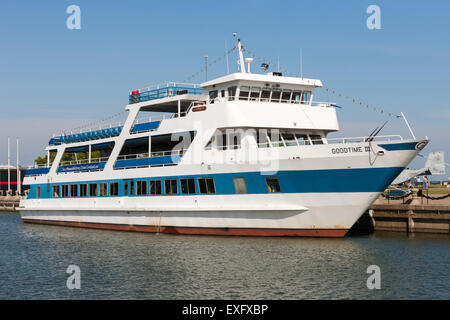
(83, 190)
(155, 187)
(171, 186)
(254, 93)
(128, 187)
(56, 191)
(276, 94)
(239, 185)
(187, 186)
(273, 185)
(206, 185)
(93, 189)
(103, 187)
(114, 189)
(74, 190)
(141, 188)
(244, 92)
(286, 96)
(65, 190)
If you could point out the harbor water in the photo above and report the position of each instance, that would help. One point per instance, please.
(122, 265)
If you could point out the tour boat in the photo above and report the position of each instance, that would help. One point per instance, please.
(245, 154)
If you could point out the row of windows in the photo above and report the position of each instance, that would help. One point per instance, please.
(151, 187)
(264, 94)
(131, 187)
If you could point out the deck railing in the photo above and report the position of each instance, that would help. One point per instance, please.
(152, 154)
(162, 91)
(298, 143)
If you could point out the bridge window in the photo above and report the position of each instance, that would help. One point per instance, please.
(206, 185)
(273, 185)
(74, 190)
(231, 93)
(265, 94)
(155, 187)
(212, 95)
(239, 185)
(289, 139)
(316, 139)
(296, 96)
(114, 189)
(93, 189)
(171, 186)
(302, 139)
(306, 96)
(141, 188)
(65, 190)
(187, 186)
(243, 93)
(254, 93)
(56, 191)
(286, 96)
(83, 190)
(276, 95)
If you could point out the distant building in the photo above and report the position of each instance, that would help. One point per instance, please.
(13, 179)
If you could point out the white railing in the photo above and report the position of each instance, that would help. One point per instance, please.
(363, 139)
(159, 117)
(90, 129)
(152, 154)
(299, 143)
(39, 166)
(83, 161)
(166, 85)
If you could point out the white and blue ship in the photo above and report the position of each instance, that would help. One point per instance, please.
(243, 154)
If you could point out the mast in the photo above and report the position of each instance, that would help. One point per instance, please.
(241, 56)
(18, 170)
(9, 164)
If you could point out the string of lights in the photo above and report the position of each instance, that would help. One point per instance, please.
(354, 100)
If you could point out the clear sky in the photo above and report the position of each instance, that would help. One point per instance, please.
(54, 78)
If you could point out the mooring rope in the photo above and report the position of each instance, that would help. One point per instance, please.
(421, 194)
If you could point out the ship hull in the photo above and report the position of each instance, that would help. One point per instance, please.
(315, 201)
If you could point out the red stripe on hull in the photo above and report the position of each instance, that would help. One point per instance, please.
(256, 232)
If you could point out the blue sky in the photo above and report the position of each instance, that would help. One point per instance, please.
(54, 78)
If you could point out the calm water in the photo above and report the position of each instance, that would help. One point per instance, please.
(122, 265)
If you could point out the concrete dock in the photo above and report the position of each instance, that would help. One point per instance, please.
(410, 215)
(9, 203)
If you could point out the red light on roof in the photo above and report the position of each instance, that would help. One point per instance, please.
(135, 92)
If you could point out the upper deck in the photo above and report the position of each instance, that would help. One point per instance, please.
(162, 91)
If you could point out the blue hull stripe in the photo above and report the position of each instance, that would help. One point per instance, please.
(398, 146)
(302, 181)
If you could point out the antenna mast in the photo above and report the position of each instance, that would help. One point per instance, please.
(241, 56)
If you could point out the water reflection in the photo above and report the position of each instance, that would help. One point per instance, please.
(122, 265)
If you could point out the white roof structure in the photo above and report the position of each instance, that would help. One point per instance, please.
(265, 78)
